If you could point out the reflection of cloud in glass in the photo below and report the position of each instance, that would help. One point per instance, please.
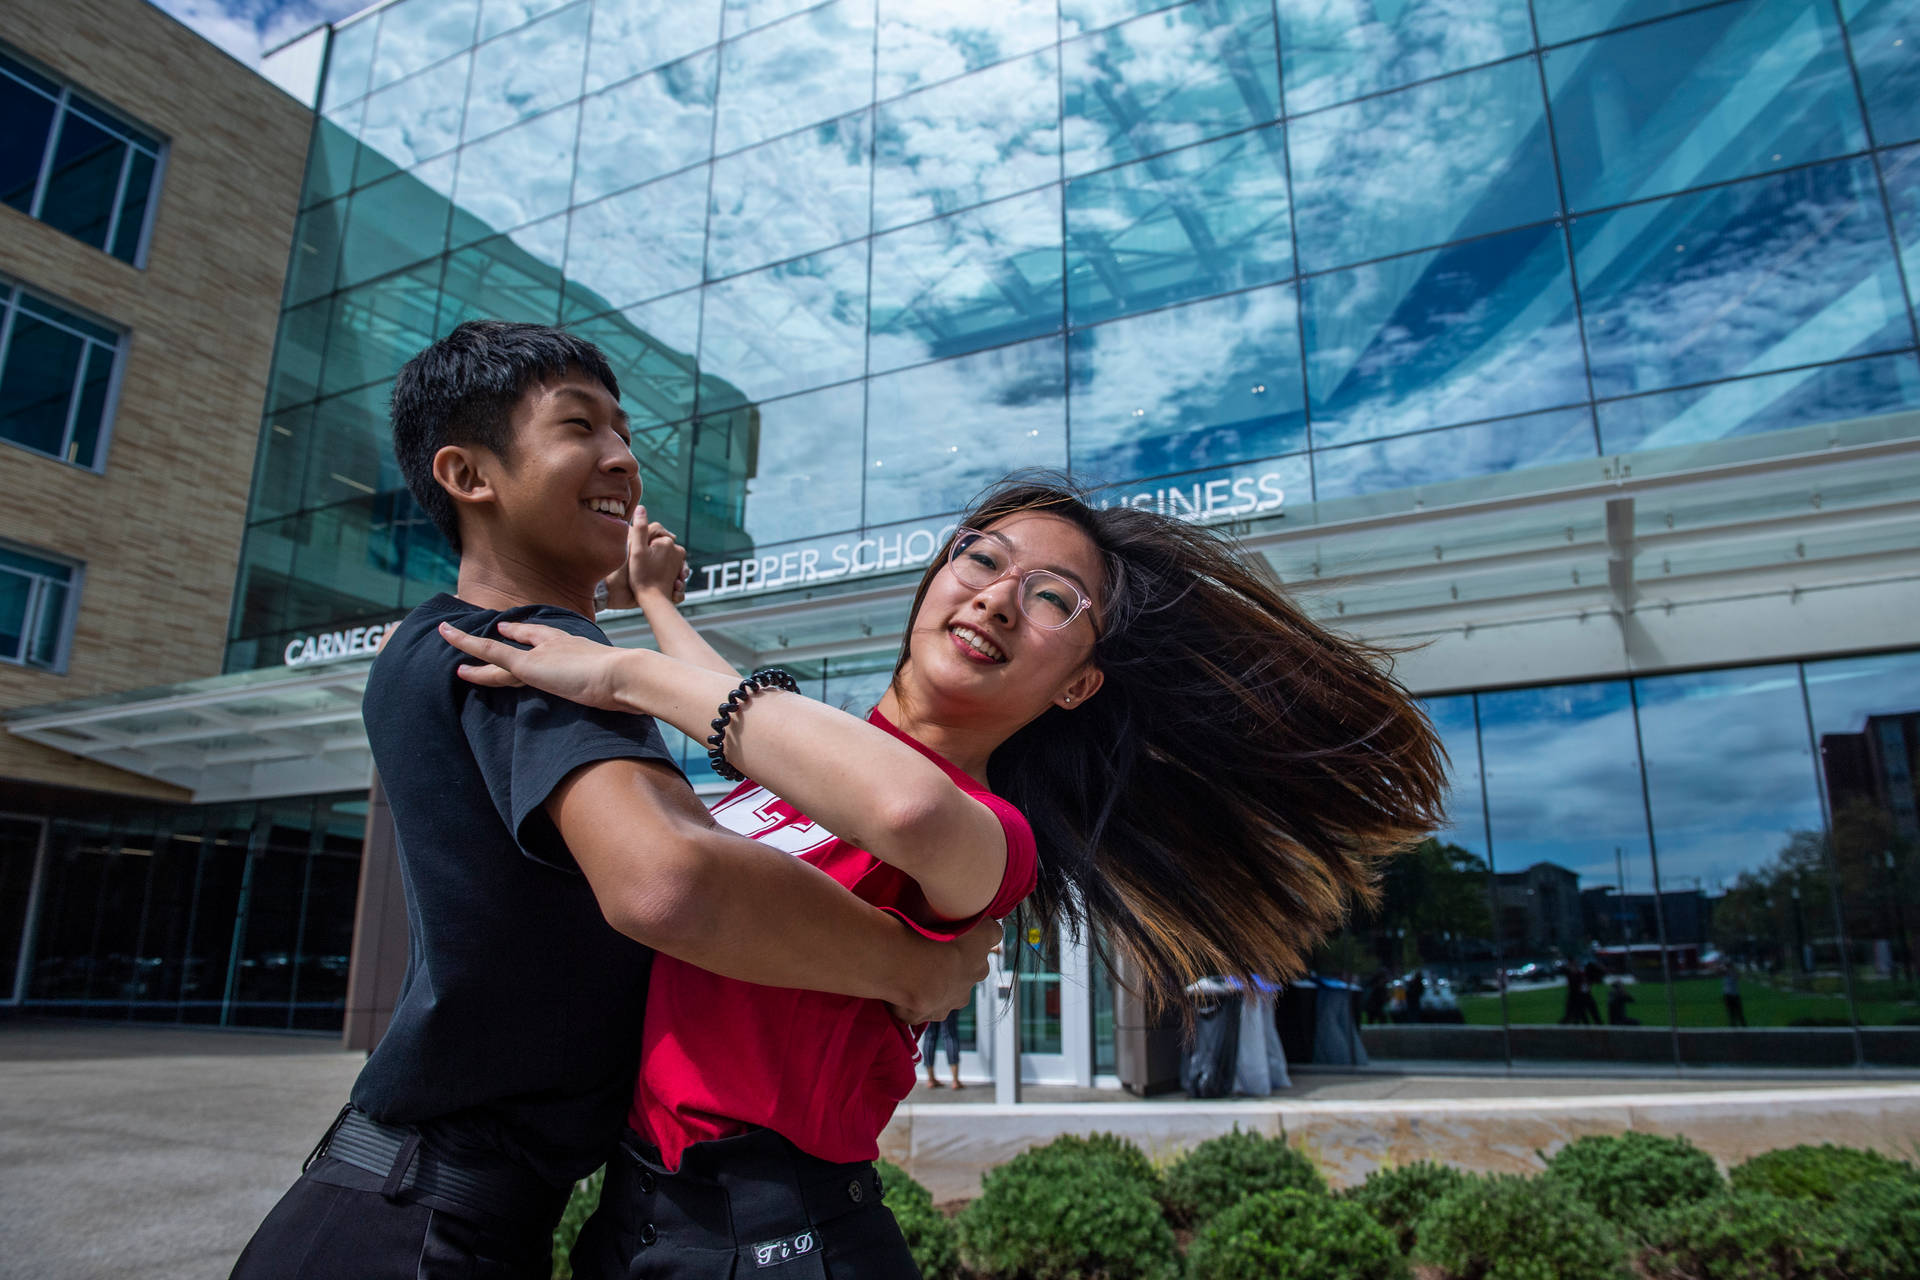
(1483, 329)
(925, 41)
(1489, 448)
(806, 69)
(968, 141)
(650, 349)
(1571, 19)
(519, 175)
(349, 61)
(744, 15)
(1761, 275)
(412, 121)
(1334, 50)
(630, 36)
(497, 16)
(1167, 80)
(806, 191)
(1726, 810)
(638, 244)
(987, 276)
(806, 473)
(1902, 171)
(392, 224)
(788, 328)
(648, 126)
(1770, 402)
(939, 434)
(1203, 385)
(1190, 223)
(1885, 34)
(416, 33)
(522, 74)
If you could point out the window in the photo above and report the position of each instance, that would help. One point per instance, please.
(75, 165)
(36, 610)
(56, 378)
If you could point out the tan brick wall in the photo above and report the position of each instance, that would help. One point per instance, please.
(160, 530)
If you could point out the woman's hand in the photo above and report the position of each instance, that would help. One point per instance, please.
(558, 662)
(656, 562)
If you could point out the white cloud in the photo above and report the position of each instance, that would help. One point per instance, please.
(248, 28)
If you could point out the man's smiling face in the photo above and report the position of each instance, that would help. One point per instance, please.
(569, 483)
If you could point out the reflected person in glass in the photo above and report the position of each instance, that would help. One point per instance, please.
(1105, 708)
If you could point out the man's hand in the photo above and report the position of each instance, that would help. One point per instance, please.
(954, 970)
(655, 562)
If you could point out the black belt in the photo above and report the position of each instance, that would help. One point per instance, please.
(414, 1169)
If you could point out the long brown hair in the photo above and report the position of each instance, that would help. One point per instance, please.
(1233, 786)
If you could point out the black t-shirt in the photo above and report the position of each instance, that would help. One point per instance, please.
(518, 1025)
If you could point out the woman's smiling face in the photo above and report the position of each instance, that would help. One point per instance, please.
(975, 654)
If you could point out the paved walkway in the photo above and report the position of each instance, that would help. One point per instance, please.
(129, 1151)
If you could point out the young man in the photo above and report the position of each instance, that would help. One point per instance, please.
(545, 848)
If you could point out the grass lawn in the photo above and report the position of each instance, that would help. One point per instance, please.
(1698, 1003)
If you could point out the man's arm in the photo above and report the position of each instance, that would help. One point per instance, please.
(667, 877)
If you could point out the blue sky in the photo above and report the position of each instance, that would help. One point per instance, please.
(248, 28)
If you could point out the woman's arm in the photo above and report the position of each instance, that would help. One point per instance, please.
(648, 582)
(859, 781)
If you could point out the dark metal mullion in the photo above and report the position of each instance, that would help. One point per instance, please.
(1833, 870)
(1653, 858)
(1879, 172)
(1493, 892)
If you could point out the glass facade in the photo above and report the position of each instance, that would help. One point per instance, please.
(1705, 852)
(234, 915)
(75, 164)
(853, 260)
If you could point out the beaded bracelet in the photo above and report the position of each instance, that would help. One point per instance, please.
(765, 678)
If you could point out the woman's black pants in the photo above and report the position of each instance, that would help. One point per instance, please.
(747, 1206)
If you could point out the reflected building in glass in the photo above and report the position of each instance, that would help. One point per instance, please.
(1568, 347)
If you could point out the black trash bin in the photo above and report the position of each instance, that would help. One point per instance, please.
(1207, 1067)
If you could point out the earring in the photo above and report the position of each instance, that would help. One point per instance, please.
(1069, 699)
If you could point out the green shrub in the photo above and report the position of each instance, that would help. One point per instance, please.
(1508, 1228)
(1819, 1173)
(1627, 1176)
(1750, 1235)
(1398, 1198)
(1294, 1235)
(1885, 1217)
(1110, 1149)
(1072, 1210)
(580, 1206)
(930, 1235)
(1222, 1171)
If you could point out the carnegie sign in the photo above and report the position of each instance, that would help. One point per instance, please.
(357, 642)
(1223, 498)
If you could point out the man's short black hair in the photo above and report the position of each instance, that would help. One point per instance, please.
(462, 390)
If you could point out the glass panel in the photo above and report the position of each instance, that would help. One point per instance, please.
(1183, 225)
(939, 434)
(521, 75)
(316, 251)
(23, 144)
(1762, 275)
(69, 904)
(83, 181)
(1885, 36)
(16, 597)
(297, 353)
(36, 384)
(1725, 93)
(1736, 811)
(1434, 163)
(281, 467)
(646, 127)
(349, 60)
(391, 224)
(791, 467)
(411, 121)
(379, 327)
(798, 325)
(516, 177)
(927, 41)
(1167, 80)
(637, 245)
(1571, 19)
(813, 68)
(352, 450)
(270, 932)
(334, 151)
(970, 281)
(1902, 171)
(1333, 50)
(1567, 818)
(133, 207)
(967, 142)
(650, 349)
(1038, 970)
(806, 191)
(415, 34)
(497, 16)
(1489, 448)
(744, 15)
(19, 847)
(1771, 402)
(1197, 386)
(90, 416)
(631, 36)
(1484, 328)
(1866, 716)
(513, 277)
(216, 904)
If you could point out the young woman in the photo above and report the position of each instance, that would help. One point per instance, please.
(1104, 707)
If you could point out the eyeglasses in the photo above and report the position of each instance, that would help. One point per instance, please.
(1046, 599)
